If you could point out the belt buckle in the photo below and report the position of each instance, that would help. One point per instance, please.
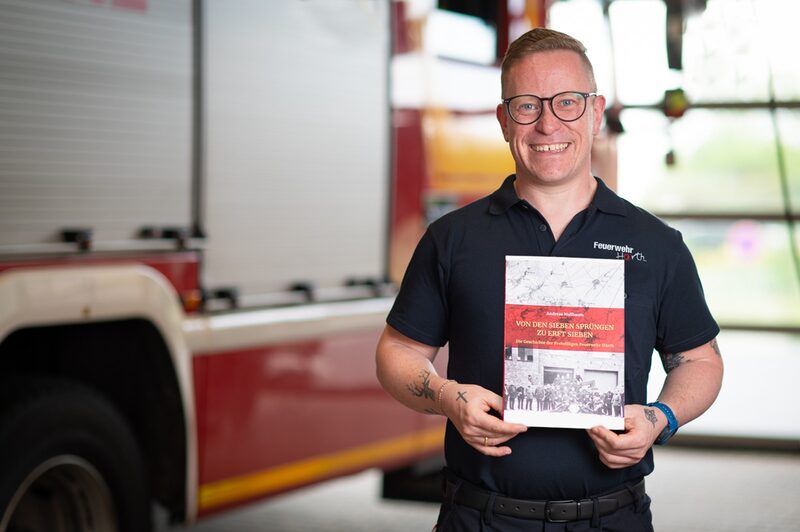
(548, 511)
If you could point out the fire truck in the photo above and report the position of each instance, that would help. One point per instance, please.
(198, 210)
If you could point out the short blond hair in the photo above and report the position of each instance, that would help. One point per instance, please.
(542, 40)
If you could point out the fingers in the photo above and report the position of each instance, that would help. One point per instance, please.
(476, 420)
(476, 423)
(488, 439)
(619, 450)
(617, 444)
(490, 446)
(497, 427)
(495, 402)
(603, 441)
(635, 435)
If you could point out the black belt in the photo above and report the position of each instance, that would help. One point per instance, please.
(553, 511)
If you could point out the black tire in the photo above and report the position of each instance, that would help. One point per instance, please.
(68, 461)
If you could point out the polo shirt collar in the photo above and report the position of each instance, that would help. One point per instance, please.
(604, 200)
(504, 197)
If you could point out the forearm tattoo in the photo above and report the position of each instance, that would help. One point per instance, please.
(651, 416)
(672, 361)
(423, 390)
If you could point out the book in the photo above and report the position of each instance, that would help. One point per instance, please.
(564, 342)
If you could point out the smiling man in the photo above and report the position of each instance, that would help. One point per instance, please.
(504, 476)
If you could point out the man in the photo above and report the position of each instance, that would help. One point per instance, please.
(504, 476)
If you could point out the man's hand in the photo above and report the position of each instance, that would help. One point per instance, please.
(468, 407)
(642, 426)
(405, 370)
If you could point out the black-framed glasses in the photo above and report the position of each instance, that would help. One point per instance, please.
(567, 106)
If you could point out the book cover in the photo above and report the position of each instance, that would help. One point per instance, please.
(564, 340)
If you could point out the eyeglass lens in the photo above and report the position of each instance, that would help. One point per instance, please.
(567, 106)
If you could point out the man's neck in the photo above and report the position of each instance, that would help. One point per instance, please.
(558, 203)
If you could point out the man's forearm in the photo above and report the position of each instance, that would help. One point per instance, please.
(407, 373)
(693, 381)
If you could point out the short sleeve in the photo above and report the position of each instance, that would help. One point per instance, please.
(420, 309)
(684, 320)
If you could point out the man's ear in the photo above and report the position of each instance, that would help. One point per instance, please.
(599, 107)
(502, 117)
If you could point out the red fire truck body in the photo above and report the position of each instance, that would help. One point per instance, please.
(249, 403)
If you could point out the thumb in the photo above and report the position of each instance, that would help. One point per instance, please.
(495, 402)
(629, 424)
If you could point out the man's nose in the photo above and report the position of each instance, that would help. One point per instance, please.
(547, 122)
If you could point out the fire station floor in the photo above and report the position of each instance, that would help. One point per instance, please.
(693, 490)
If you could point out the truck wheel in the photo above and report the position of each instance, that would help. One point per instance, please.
(68, 460)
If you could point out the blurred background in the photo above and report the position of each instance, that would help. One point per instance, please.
(206, 207)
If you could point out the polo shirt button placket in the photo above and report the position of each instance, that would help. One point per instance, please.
(546, 243)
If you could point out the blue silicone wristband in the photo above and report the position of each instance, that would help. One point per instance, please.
(672, 422)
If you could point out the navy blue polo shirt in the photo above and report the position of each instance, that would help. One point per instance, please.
(453, 292)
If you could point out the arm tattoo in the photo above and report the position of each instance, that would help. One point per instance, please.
(462, 396)
(651, 416)
(672, 361)
(425, 389)
(715, 347)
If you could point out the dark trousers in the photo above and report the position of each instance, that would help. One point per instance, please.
(456, 518)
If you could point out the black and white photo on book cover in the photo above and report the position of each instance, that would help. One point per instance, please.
(564, 346)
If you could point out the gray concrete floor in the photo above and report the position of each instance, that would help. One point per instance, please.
(693, 490)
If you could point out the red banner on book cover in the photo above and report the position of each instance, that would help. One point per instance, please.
(567, 328)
